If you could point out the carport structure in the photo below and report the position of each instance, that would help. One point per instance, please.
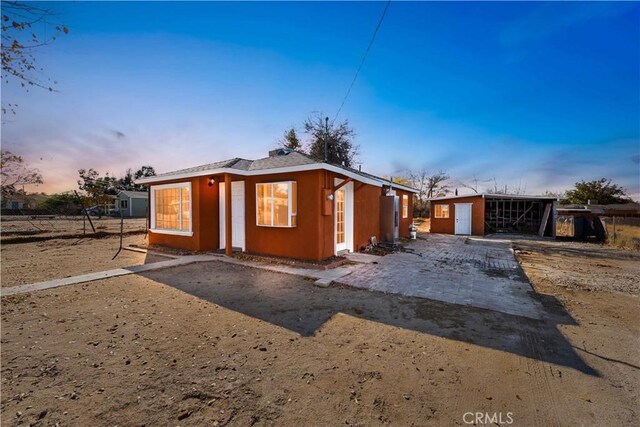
(481, 214)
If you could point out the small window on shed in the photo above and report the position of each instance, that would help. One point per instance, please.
(124, 204)
(441, 211)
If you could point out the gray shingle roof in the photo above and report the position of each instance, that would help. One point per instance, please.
(134, 194)
(292, 159)
(285, 159)
(201, 168)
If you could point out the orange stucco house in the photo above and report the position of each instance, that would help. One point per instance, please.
(285, 205)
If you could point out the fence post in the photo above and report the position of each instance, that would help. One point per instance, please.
(614, 229)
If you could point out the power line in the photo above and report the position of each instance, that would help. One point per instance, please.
(364, 58)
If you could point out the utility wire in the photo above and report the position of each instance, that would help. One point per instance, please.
(364, 58)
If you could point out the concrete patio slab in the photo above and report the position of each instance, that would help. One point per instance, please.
(453, 269)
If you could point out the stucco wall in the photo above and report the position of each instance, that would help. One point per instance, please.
(447, 225)
(405, 222)
(311, 239)
(204, 217)
(301, 241)
(366, 208)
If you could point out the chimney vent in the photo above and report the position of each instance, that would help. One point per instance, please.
(280, 152)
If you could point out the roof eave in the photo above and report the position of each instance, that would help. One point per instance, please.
(286, 169)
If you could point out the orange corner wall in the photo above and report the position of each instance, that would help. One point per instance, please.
(204, 219)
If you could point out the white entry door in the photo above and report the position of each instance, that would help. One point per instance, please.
(341, 220)
(343, 217)
(463, 218)
(237, 215)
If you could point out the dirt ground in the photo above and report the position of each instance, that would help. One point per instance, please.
(24, 228)
(579, 266)
(24, 263)
(219, 344)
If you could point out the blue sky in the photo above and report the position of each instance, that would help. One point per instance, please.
(529, 93)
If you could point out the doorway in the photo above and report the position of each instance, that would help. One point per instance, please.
(237, 215)
(463, 218)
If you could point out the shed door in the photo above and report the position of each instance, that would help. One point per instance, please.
(463, 218)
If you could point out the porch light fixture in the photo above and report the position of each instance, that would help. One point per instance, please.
(330, 196)
(211, 181)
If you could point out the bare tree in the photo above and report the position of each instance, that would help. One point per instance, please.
(15, 174)
(21, 23)
(338, 137)
(437, 185)
(471, 185)
(428, 185)
(506, 189)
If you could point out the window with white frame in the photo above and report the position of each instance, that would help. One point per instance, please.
(124, 204)
(405, 206)
(441, 211)
(277, 204)
(171, 208)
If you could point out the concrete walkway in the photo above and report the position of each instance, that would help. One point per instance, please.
(452, 269)
(90, 277)
(323, 277)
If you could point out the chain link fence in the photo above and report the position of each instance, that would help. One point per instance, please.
(36, 225)
(620, 231)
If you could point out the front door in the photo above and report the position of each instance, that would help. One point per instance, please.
(237, 215)
(340, 215)
(463, 218)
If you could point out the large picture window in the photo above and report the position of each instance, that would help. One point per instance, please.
(171, 208)
(277, 204)
(405, 206)
(441, 211)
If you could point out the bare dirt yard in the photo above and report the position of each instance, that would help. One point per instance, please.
(220, 344)
(24, 263)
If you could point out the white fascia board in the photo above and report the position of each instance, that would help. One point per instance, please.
(436, 199)
(492, 196)
(301, 168)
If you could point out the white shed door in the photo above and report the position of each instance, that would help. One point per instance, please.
(463, 218)
(237, 215)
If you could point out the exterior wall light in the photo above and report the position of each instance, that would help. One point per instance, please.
(211, 181)
(330, 196)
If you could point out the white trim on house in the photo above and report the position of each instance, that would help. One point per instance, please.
(288, 169)
(180, 185)
(492, 196)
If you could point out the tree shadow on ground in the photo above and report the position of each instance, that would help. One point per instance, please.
(296, 304)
